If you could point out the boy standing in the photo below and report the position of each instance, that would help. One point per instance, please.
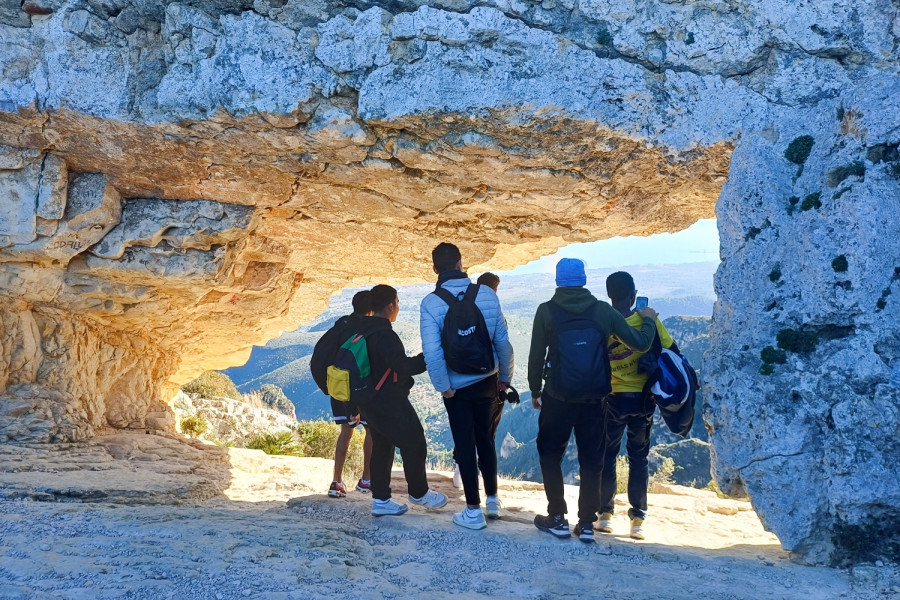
(574, 326)
(469, 397)
(627, 408)
(392, 419)
(347, 415)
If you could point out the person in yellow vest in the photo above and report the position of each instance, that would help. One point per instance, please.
(629, 409)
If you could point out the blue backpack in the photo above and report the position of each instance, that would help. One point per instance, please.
(578, 362)
(673, 384)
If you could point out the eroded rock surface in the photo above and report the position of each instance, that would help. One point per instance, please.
(181, 180)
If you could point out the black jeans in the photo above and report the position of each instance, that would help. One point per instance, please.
(555, 425)
(632, 411)
(393, 423)
(471, 412)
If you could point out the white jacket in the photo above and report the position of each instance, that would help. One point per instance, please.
(431, 322)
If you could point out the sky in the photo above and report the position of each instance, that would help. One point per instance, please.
(697, 243)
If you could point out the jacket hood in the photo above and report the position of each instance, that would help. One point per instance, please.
(574, 299)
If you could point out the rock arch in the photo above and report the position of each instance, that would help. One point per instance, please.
(180, 180)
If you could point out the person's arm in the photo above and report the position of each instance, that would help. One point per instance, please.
(503, 347)
(537, 354)
(636, 339)
(387, 344)
(430, 331)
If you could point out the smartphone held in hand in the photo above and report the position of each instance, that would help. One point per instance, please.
(641, 303)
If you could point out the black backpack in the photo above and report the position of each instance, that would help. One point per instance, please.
(467, 344)
(578, 362)
(349, 376)
(326, 348)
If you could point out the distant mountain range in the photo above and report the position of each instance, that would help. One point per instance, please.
(683, 290)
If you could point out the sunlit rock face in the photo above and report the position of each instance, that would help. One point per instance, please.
(181, 180)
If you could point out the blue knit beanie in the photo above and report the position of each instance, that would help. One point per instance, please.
(570, 273)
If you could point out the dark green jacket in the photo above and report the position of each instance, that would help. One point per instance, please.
(576, 300)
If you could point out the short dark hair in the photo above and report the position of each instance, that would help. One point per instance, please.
(381, 295)
(445, 256)
(619, 286)
(489, 279)
(362, 303)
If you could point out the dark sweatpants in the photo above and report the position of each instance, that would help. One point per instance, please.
(634, 412)
(393, 423)
(471, 412)
(555, 425)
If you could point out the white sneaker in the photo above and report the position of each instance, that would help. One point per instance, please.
(604, 525)
(470, 518)
(637, 531)
(493, 507)
(457, 478)
(382, 508)
(431, 499)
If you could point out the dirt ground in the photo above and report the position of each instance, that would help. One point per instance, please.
(147, 516)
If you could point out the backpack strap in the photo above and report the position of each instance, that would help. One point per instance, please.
(383, 379)
(449, 297)
(445, 295)
(557, 311)
(471, 292)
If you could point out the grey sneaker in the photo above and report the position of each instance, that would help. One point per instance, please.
(383, 508)
(493, 506)
(637, 531)
(604, 525)
(470, 518)
(431, 499)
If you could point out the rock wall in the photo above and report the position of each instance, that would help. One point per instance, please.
(800, 408)
(183, 179)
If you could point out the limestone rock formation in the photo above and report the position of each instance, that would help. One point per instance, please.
(180, 180)
(231, 420)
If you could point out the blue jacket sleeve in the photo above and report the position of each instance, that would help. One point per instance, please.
(430, 330)
(503, 347)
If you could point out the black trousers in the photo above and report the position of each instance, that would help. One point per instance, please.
(393, 424)
(555, 425)
(471, 412)
(632, 412)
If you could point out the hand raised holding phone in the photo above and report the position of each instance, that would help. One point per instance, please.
(642, 309)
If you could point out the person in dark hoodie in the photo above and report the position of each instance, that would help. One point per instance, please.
(575, 321)
(393, 421)
(346, 414)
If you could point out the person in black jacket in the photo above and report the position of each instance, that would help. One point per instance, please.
(561, 414)
(393, 422)
(346, 414)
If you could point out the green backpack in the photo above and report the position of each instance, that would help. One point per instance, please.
(349, 377)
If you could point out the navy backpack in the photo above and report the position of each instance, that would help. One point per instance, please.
(673, 385)
(578, 362)
(468, 347)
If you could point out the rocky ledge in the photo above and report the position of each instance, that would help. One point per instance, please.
(180, 180)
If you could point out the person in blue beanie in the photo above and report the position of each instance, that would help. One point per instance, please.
(569, 351)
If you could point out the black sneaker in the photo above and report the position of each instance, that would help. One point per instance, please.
(585, 532)
(555, 524)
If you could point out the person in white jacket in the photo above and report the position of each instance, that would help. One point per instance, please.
(468, 398)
